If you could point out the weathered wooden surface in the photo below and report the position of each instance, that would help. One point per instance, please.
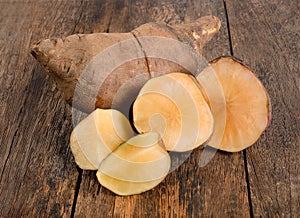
(267, 37)
(38, 176)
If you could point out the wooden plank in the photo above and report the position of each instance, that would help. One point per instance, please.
(38, 175)
(265, 35)
(220, 188)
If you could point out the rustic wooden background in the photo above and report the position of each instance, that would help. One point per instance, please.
(38, 176)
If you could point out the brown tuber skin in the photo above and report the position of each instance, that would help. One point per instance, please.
(64, 59)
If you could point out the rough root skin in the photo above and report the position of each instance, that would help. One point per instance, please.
(64, 59)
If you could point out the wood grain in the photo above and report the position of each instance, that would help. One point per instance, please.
(265, 35)
(38, 175)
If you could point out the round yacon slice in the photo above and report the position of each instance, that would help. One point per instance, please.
(247, 104)
(136, 166)
(95, 137)
(174, 106)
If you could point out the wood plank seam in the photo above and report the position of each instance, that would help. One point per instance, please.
(12, 143)
(228, 27)
(109, 22)
(244, 152)
(248, 184)
(77, 188)
(80, 171)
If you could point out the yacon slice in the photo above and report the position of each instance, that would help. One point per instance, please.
(174, 106)
(95, 137)
(136, 166)
(213, 92)
(247, 104)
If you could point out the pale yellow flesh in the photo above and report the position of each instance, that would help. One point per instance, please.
(140, 159)
(154, 118)
(136, 166)
(95, 137)
(212, 89)
(247, 105)
(173, 105)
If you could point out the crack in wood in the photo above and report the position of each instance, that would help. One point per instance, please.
(109, 23)
(244, 152)
(228, 27)
(13, 139)
(77, 188)
(248, 184)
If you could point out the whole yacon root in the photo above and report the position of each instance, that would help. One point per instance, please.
(65, 59)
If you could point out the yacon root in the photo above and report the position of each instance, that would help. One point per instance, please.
(65, 59)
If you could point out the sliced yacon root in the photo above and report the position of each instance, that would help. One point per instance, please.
(247, 104)
(174, 106)
(213, 92)
(136, 166)
(95, 137)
